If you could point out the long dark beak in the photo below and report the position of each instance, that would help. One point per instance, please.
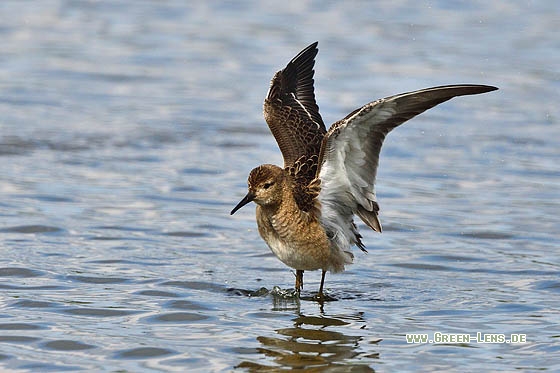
(248, 198)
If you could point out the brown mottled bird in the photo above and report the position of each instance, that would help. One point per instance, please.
(305, 210)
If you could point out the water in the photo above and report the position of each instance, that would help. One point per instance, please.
(126, 135)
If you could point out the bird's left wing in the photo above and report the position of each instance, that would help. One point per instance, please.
(291, 111)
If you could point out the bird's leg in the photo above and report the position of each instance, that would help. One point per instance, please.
(299, 280)
(320, 294)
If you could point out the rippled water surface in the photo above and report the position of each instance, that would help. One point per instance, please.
(127, 130)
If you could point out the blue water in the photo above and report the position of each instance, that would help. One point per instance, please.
(127, 131)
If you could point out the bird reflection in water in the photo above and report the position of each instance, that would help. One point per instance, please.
(314, 343)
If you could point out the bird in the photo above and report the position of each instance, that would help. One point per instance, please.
(305, 210)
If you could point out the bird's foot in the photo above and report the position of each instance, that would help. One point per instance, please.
(299, 281)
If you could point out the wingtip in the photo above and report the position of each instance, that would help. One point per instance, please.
(482, 88)
(490, 88)
(312, 45)
(309, 52)
(453, 90)
(473, 88)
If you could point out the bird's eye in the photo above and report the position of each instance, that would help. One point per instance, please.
(267, 185)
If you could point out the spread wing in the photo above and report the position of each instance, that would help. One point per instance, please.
(291, 112)
(350, 156)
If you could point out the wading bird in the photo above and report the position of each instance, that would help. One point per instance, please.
(305, 210)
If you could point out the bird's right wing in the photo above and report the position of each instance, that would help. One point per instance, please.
(350, 155)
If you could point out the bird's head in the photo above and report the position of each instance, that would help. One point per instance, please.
(265, 185)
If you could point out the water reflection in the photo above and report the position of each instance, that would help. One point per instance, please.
(315, 343)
